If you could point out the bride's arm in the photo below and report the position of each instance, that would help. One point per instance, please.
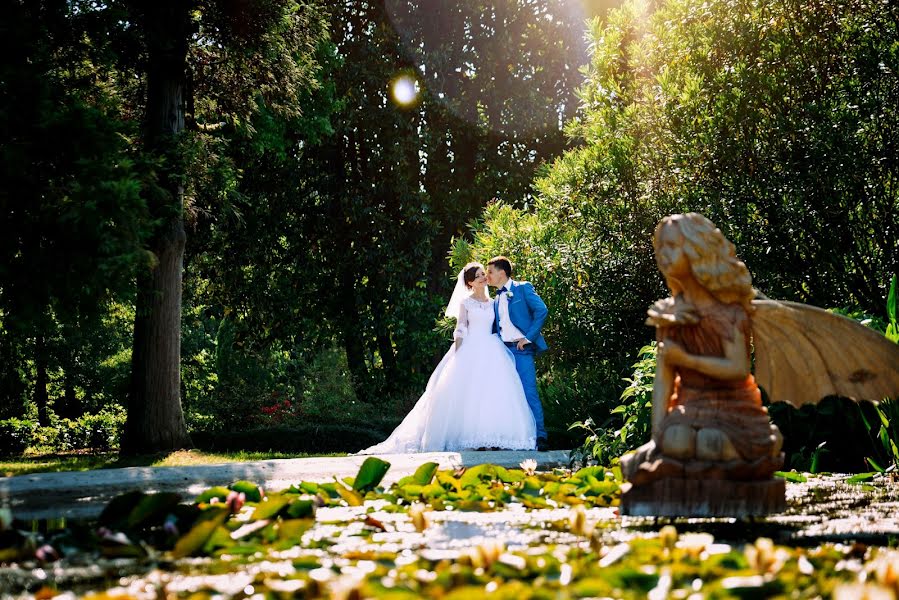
(461, 325)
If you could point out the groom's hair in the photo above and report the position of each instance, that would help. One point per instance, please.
(501, 262)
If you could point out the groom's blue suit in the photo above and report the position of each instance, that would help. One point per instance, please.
(527, 313)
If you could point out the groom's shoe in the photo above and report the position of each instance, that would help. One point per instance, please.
(542, 445)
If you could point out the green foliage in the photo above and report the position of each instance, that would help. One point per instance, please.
(571, 551)
(892, 329)
(828, 437)
(16, 435)
(100, 432)
(771, 119)
(885, 430)
(309, 438)
(336, 234)
(630, 424)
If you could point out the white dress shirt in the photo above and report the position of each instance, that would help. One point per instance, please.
(508, 332)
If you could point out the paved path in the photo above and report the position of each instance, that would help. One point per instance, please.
(83, 494)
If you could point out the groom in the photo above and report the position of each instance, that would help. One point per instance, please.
(519, 316)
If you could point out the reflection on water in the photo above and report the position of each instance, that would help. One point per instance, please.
(345, 542)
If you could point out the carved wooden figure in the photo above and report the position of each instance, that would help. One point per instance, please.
(713, 450)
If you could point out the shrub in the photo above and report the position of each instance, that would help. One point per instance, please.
(101, 431)
(305, 439)
(16, 435)
(630, 423)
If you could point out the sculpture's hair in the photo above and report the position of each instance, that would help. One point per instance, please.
(712, 257)
(470, 273)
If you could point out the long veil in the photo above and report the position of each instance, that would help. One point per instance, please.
(460, 293)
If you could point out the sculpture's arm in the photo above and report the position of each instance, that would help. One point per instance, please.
(734, 364)
(662, 388)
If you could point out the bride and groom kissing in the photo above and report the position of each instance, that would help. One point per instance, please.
(483, 394)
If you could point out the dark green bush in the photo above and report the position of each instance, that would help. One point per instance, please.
(16, 435)
(307, 439)
(100, 431)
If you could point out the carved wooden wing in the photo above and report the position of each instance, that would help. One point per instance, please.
(804, 353)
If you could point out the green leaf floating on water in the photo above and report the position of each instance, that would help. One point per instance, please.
(214, 492)
(352, 497)
(152, 508)
(370, 474)
(252, 491)
(270, 507)
(425, 473)
(299, 509)
(861, 477)
(473, 475)
(200, 533)
(116, 513)
(293, 529)
(792, 476)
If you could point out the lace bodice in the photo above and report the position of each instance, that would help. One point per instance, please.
(475, 318)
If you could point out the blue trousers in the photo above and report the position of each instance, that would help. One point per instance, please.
(524, 364)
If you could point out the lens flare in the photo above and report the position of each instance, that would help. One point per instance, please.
(404, 90)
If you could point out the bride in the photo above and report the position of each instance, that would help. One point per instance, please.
(474, 398)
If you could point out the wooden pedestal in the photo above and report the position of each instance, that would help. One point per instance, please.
(705, 498)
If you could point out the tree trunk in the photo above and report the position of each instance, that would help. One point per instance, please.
(155, 419)
(352, 336)
(385, 344)
(71, 408)
(41, 398)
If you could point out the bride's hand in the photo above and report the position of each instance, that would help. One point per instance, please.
(458, 343)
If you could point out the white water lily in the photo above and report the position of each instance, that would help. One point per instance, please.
(529, 466)
(418, 514)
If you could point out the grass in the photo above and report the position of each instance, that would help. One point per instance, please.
(89, 461)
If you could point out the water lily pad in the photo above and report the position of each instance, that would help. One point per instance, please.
(220, 538)
(597, 472)
(509, 476)
(194, 539)
(862, 477)
(293, 529)
(252, 491)
(115, 515)
(152, 508)
(218, 492)
(425, 473)
(448, 481)
(370, 474)
(792, 476)
(300, 508)
(473, 476)
(270, 507)
(351, 497)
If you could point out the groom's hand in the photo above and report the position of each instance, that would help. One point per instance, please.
(522, 343)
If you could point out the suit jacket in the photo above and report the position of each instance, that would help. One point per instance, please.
(527, 312)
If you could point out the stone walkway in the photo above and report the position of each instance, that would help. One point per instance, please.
(83, 494)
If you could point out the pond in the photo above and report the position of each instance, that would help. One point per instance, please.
(509, 533)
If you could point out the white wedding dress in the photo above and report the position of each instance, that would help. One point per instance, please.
(474, 398)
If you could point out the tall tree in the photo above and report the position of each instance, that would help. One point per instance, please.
(155, 419)
(71, 213)
(261, 49)
(776, 119)
(339, 234)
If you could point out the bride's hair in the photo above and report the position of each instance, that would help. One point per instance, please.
(470, 273)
